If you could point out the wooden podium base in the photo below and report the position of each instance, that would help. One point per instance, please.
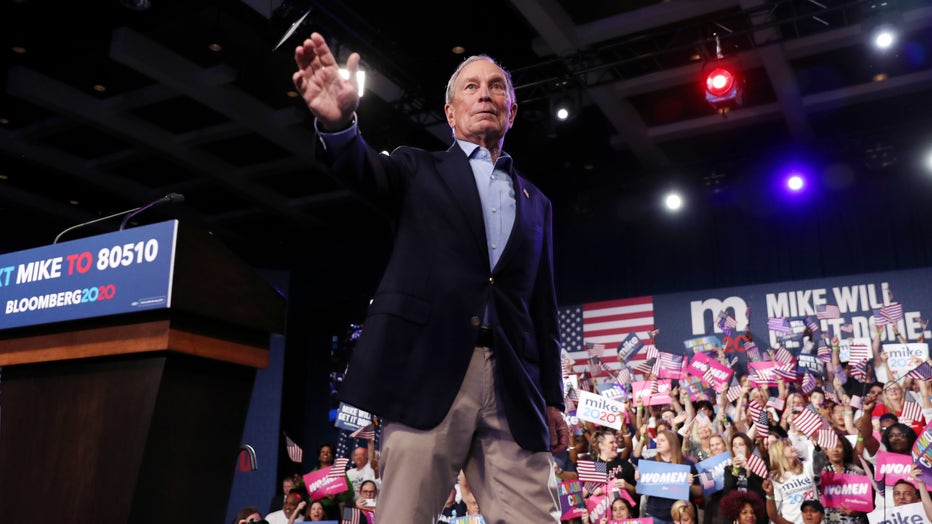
(137, 438)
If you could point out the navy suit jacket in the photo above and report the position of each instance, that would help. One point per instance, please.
(422, 325)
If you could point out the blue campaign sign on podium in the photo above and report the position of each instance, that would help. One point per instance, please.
(120, 272)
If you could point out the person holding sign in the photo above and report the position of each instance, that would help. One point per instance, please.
(840, 460)
(460, 355)
(792, 482)
(620, 471)
(669, 451)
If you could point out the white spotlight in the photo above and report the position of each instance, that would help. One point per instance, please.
(884, 39)
(360, 78)
(673, 201)
(929, 161)
(563, 113)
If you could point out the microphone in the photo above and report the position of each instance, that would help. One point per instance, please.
(171, 197)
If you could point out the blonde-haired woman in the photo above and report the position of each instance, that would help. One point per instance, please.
(682, 512)
(792, 482)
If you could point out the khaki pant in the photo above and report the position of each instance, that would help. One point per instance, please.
(419, 468)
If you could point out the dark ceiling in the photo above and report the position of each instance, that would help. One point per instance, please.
(220, 128)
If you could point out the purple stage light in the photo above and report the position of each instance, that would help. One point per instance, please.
(795, 182)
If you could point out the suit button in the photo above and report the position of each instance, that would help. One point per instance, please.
(491, 280)
(474, 320)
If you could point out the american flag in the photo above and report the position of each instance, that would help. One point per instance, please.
(922, 372)
(889, 314)
(912, 412)
(610, 322)
(733, 393)
(827, 439)
(847, 328)
(571, 328)
(595, 350)
(809, 383)
(786, 371)
(338, 469)
(645, 359)
(827, 311)
(592, 471)
(754, 410)
(757, 466)
(813, 325)
(859, 351)
(727, 323)
(783, 355)
(763, 424)
(858, 371)
(779, 324)
(672, 363)
(893, 312)
(605, 324)
(366, 432)
(295, 453)
(352, 516)
(622, 377)
(807, 422)
(824, 353)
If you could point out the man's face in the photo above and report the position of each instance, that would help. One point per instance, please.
(360, 457)
(482, 109)
(904, 494)
(291, 502)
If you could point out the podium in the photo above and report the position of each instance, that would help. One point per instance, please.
(129, 407)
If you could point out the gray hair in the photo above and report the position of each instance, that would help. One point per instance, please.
(476, 58)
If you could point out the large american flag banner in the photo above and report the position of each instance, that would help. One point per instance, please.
(604, 324)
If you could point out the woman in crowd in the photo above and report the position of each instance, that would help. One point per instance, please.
(247, 515)
(316, 512)
(792, 483)
(840, 458)
(620, 471)
(668, 450)
(682, 512)
(739, 477)
(893, 402)
(743, 507)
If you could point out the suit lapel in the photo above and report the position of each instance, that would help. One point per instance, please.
(459, 178)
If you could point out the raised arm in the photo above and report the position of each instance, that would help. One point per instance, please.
(329, 97)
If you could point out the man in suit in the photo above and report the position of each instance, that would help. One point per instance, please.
(459, 353)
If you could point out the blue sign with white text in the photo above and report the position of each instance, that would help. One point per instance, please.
(103, 275)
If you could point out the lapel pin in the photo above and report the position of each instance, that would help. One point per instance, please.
(525, 194)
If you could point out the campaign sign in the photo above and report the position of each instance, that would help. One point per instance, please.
(643, 520)
(712, 472)
(599, 506)
(854, 491)
(922, 454)
(810, 363)
(629, 346)
(468, 519)
(891, 467)
(643, 390)
(710, 371)
(700, 344)
(905, 514)
(762, 374)
(571, 499)
(859, 347)
(612, 390)
(902, 358)
(320, 484)
(599, 410)
(352, 418)
(662, 479)
(120, 272)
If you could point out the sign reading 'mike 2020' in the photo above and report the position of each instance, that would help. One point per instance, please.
(108, 274)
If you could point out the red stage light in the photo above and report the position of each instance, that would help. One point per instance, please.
(719, 82)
